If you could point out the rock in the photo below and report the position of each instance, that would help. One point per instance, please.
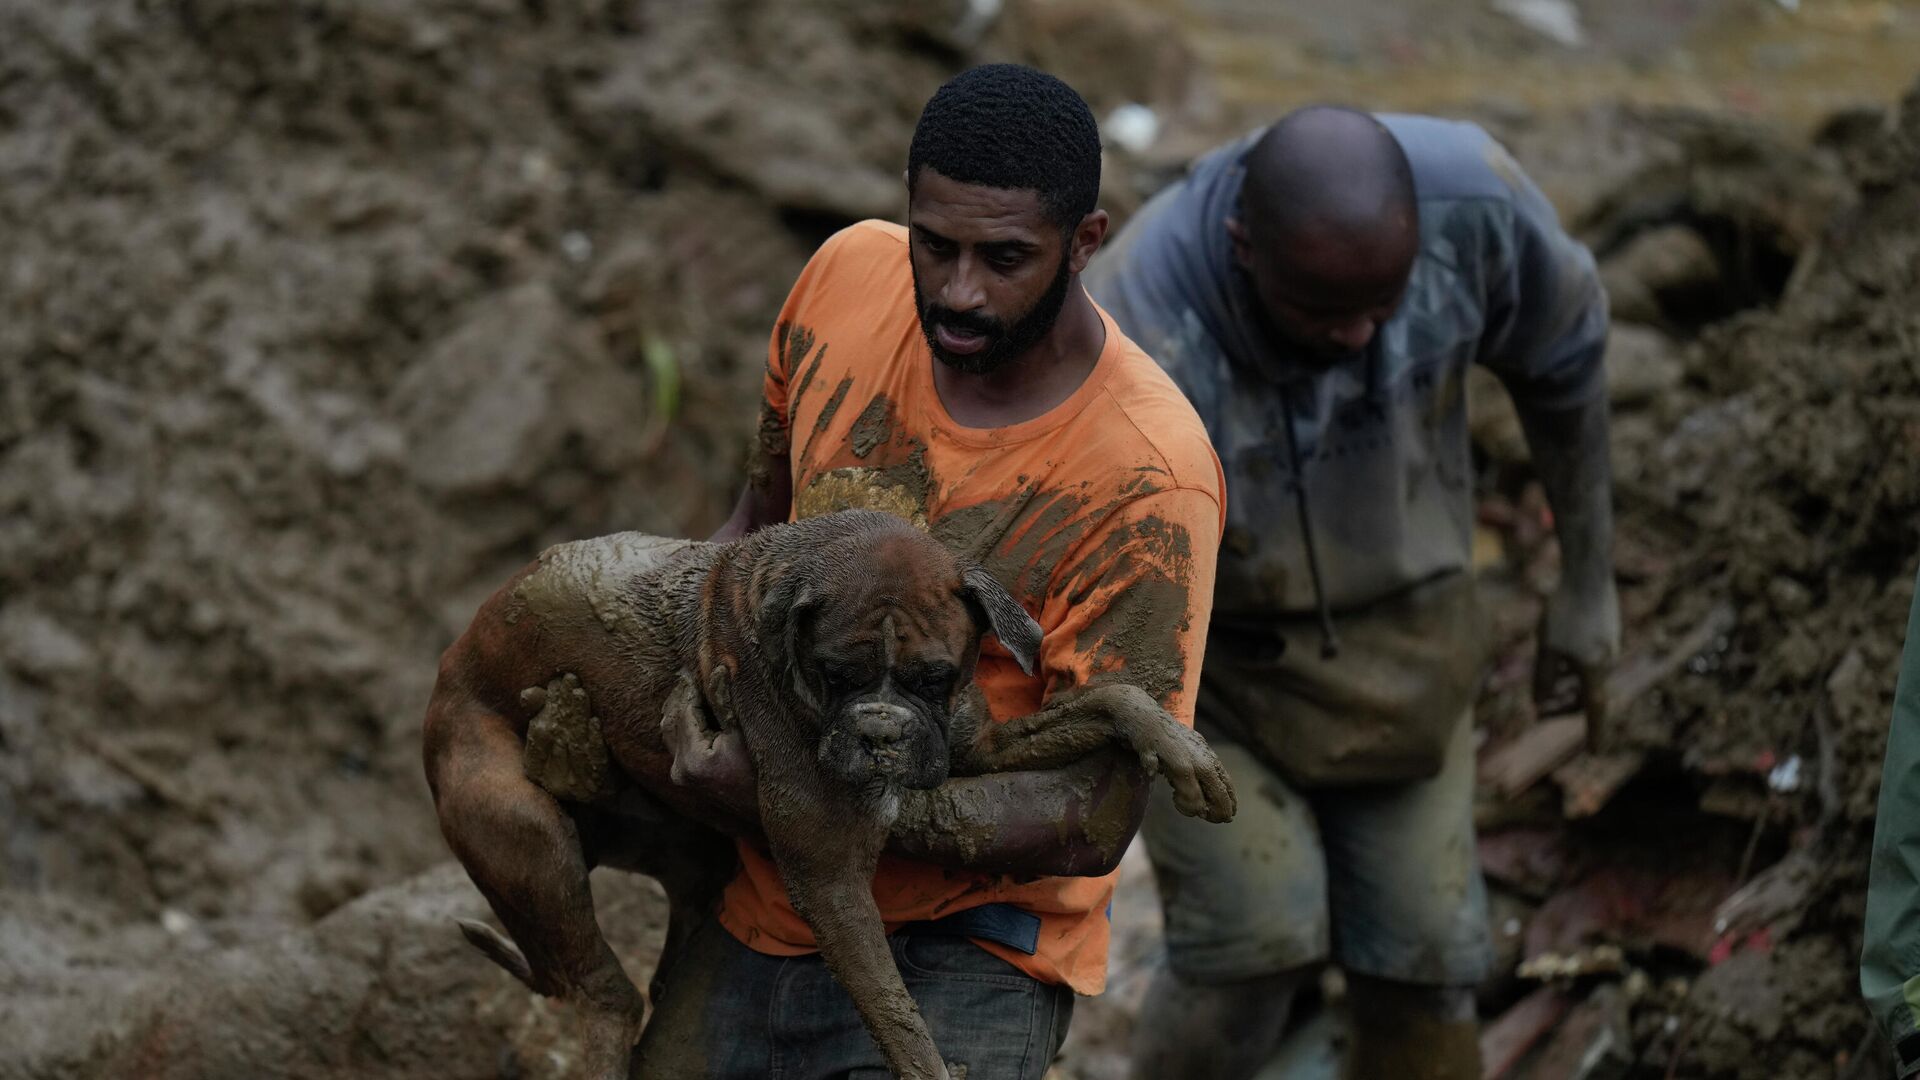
(385, 988)
(836, 149)
(1492, 421)
(490, 405)
(1111, 53)
(1658, 267)
(38, 645)
(1642, 364)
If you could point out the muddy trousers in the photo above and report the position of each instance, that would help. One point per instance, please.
(1383, 880)
(731, 1013)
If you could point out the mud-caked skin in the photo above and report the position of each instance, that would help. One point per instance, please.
(836, 647)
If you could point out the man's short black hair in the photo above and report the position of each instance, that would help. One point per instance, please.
(1010, 126)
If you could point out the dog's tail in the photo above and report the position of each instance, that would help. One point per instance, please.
(498, 949)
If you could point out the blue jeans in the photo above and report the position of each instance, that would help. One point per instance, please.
(785, 1018)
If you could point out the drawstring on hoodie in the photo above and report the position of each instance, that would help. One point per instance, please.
(1329, 642)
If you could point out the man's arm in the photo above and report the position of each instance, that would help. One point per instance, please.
(1580, 631)
(1070, 822)
(1890, 955)
(1546, 332)
(766, 500)
(768, 496)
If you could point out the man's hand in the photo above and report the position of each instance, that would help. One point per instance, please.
(1579, 640)
(712, 761)
(565, 752)
(1580, 628)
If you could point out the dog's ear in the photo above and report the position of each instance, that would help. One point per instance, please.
(994, 608)
(786, 616)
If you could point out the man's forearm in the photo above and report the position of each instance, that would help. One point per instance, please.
(1572, 457)
(766, 500)
(1069, 822)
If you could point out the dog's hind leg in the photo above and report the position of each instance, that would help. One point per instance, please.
(693, 882)
(691, 862)
(523, 851)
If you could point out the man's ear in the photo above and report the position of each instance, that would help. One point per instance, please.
(1087, 238)
(995, 609)
(1242, 245)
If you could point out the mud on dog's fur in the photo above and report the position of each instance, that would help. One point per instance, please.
(838, 648)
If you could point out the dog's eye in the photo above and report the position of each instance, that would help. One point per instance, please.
(933, 687)
(841, 678)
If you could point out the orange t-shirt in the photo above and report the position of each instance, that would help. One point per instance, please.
(1102, 516)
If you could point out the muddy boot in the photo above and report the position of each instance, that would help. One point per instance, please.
(1226, 1030)
(1403, 1032)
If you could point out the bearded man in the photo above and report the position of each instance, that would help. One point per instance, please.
(953, 372)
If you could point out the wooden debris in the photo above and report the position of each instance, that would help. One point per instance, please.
(1588, 781)
(1641, 674)
(1504, 1042)
(1551, 745)
(1539, 750)
(1670, 908)
(1776, 899)
(1531, 861)
(1592, 1043)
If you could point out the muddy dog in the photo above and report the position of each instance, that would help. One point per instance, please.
(837, 647)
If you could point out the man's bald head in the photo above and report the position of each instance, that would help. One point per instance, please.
(1329, 225)
(1330, 172)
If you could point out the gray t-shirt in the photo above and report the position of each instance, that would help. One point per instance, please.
(1383, 437)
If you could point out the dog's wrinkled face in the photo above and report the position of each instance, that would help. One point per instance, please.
(881, 641)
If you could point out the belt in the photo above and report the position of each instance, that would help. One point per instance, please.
(1002, 924)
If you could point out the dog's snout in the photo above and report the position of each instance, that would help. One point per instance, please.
(880, 723)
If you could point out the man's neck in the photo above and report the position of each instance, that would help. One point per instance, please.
(1036, 381)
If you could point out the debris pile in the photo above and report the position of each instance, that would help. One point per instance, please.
(1687, 902)
(319, 320)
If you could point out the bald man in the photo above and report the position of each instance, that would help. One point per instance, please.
(1317, 290)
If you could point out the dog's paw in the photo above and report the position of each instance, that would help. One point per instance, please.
(606, 1042)
(1168, 748)
(1200, 784)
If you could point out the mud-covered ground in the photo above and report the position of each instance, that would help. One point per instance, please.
(319, 319)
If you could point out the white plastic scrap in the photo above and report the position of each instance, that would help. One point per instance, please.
(1132, 126)
(1785, 776)
(979, 17)
(1555, 19)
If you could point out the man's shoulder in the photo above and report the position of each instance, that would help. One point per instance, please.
(859, 250)
(870, 236)
(857, 280)
(1454, 160)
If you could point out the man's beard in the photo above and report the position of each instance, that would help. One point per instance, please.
(1004, 343)
(1318, 355)
(1321, 355)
